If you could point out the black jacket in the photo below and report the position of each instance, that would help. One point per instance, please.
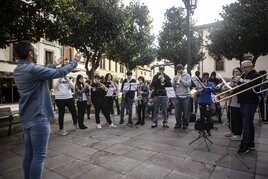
(248, 97)
(159, 89)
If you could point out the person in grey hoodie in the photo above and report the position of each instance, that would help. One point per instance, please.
(181, 83)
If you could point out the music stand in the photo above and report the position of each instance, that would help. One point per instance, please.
(204, 125)
(126, 88)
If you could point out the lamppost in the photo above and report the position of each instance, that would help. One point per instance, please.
(190, 6)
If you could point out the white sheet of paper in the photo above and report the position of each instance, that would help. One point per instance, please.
(130, 87)
(110, 92)
(170, 92)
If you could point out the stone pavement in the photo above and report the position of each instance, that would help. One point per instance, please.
(137, 153)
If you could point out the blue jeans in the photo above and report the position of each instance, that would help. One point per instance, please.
(126, 103)
(36, 143)
(182, 111)
(163, 102)
(248, 111)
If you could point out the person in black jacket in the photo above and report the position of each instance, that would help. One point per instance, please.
(248, 104)
(98, 93)
(160, 81)
(127, 99)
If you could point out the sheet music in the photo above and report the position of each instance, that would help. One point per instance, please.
(197, 82)
(110, 91)
(170, 92)
(130, 87)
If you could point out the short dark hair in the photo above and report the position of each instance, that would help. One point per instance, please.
(129, 73)
(205, 74)
(179, 67)
(23, 48)
(141, 78)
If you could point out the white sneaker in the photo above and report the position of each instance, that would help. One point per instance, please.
(236, 138)
(112, 125)
(76, 128)
(63, 132)
(228, 134)
(99, 126)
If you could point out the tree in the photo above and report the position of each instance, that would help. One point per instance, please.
(173, 39)
(134, 45)
(91, 37)
(31, 20)
(244, 29)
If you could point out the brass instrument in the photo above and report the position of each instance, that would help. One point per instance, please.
(238, 86)
(162, 79)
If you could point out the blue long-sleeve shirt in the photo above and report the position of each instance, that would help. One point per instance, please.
(31, 80)
(205, 95)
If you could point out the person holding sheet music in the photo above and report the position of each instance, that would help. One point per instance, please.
(181, 83)
(99, 100)
(142, 94)
(110, 84)
(127, 98)
(160, 81)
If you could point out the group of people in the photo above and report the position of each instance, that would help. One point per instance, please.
(36, 108)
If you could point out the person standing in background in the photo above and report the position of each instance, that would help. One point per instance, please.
(160, 81)
(35, 105)
(64, 98)
(181, 83)
(88, 94)
(81, 90)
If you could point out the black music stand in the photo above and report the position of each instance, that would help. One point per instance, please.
(203, 126)
(130, 87)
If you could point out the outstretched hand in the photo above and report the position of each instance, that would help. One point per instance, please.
(78, 56)
(57, 61)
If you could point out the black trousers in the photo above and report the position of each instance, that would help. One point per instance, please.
(205, 116)
(81, 108)
(88, 110)
(261, 105)
(101, 105)
(110, 104)
(61, 104)
(141, 111)
(115, 99)
(235, 120)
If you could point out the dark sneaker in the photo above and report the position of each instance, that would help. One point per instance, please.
(138, 123)
(165, 126)
(121, 122)
(185, 127)
(83, 127)
(243, 150)
(252, 147)
(177, 126)
(154, 125)
(142, 123)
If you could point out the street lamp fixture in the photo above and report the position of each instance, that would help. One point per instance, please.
(190, 6)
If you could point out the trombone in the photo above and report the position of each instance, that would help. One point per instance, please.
(227, 91)
(247, 89)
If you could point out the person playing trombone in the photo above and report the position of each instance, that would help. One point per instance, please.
(181, 83)
(248, 104)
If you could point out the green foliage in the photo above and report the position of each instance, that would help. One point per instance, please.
(173, 39)
(134, 45)
(244, 29)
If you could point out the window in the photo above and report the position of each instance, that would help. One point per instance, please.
(121, 69)
(219, 65)
(70, 54)
(145, 73)
(48, 57)
(110, 65)
(15, 55)
(115, 66)
(141, 72)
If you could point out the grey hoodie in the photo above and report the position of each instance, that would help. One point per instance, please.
(183, 87)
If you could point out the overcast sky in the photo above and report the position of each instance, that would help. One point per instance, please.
(207, 11)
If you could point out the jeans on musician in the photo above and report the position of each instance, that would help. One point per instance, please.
(141, 111)
(160, 101)
(126, 104)
(36, 144)
(248, 111)
(182, 112)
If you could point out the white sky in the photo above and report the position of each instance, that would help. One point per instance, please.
(207, 11)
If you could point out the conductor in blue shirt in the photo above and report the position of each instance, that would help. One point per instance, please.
(35, 105)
